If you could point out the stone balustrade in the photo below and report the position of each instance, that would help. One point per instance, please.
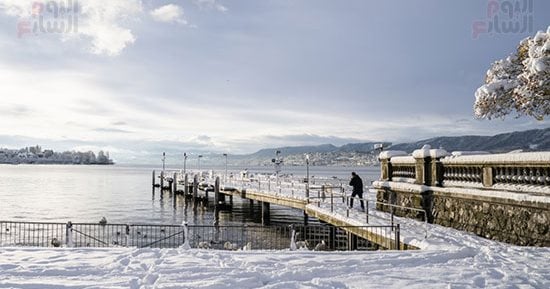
(505, 197)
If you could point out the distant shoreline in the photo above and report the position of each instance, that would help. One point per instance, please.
(56, 163)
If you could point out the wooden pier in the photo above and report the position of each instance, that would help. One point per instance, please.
(204, 190)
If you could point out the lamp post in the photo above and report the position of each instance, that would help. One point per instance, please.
(163, 161)
(307, 177)
(277, 161)
(225, 177)
(200, 156)
(184, 162)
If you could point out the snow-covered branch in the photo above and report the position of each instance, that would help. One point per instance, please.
(521, 82)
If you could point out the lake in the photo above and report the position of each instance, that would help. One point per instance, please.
(123, 194)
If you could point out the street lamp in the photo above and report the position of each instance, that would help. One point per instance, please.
(184, 162)
(200, 156)
(163, 161)
(307, 177)
(225, 178)
(277, 161)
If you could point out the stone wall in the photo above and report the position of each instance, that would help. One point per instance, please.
(517, 222)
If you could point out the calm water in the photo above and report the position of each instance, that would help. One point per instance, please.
(123, 195)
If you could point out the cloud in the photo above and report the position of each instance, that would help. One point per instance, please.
(15, 110)
(101, 24)
(112, 130)
(170, 13)
(210, 4)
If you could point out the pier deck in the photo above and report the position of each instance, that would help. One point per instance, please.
(326, 202)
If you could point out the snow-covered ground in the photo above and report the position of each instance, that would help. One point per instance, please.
(478, 264)
(448, 259)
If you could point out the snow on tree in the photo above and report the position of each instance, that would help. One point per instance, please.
(521, 82)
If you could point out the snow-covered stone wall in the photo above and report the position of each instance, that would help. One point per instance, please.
(508, 217)
(505, 197)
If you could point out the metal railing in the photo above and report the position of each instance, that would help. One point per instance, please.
(345, 200)
(38, 234)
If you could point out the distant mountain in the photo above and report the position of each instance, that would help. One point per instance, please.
(364, 154)
(529, 140)
(325, 148)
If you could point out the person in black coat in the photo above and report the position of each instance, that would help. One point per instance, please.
(357, 185)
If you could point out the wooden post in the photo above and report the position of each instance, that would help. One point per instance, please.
(265, 214)
(331, 237)
(153, 178)
(175, 183)
(217, 191)
(195, 187)
(185, 186)
(162, 180)
(352, 241)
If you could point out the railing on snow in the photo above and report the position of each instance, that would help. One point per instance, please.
(38, 234)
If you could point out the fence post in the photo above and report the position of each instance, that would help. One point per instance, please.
(367, 210)
(397, 236)
(331, 201)
(68, 229)
(392, 218)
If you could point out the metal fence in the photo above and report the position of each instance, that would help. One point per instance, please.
(320, 237)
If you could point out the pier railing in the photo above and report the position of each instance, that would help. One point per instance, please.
(38, 234)
(518, 172)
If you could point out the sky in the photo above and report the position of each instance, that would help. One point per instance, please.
(138, 77)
